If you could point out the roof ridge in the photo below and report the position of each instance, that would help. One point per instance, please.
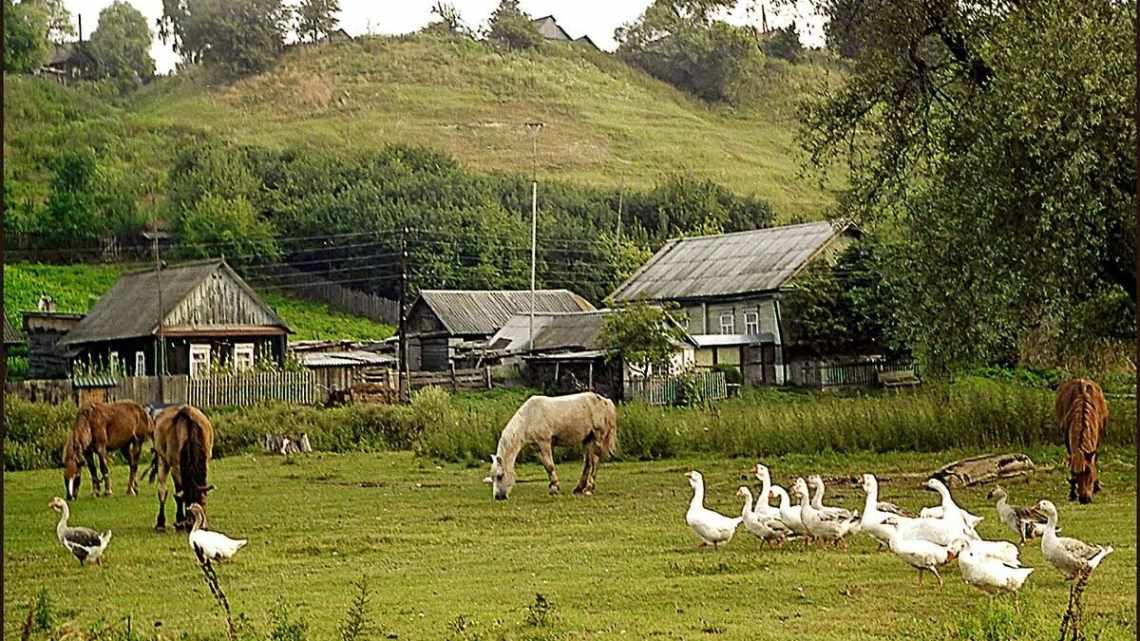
(192, 263)
(831, 223)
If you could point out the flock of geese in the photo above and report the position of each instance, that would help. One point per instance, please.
(939, 534)
(88, 545)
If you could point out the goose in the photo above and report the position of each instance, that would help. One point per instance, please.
(206, 544)
(815, 481)
(1026, 522)
(1068, 555)
(84, 543)
(763, 509)
(710, 527)
(790, 515)
(988, 574)
(950, 509)
(764, 528)
(818, 527)
(922, 554)
(874, 515)
(936, 513)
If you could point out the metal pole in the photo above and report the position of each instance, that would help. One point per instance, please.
(402, 359)
(534, 127)
(160, 353)
(621, 195)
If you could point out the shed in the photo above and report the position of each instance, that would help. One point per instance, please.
(441, 319)
(71, 61)
(44, 331)
(340, 370)
(209, 317)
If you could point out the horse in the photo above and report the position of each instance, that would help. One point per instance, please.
(99, 427)
(183, 446)
(585, 418)
(1083, 415)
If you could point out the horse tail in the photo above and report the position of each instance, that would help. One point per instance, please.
(153, 471)
(192, 456)
(608, 431)
(80, 437)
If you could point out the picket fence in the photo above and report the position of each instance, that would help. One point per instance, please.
(667, 390)
(226, 390)
(859, 374)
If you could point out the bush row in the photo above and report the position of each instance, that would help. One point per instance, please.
(974, 413)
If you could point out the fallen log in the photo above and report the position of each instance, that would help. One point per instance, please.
(984, 469)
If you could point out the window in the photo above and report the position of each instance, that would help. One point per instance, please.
(199, 360)
(727, 323)
(140, 364)
(752, 323)
(243, 356)
(685, 322)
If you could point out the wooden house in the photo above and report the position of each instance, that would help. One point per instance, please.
(551, 31)
(729, 288)
(71, 61)
(440, 320)
(44, 330)
(205, 313)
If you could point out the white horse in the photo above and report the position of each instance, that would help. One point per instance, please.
(585, 418)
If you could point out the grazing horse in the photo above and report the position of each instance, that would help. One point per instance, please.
(183, 446)
(585, 418)
(99, 427)
(1083, 415)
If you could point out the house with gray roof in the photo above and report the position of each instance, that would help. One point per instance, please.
(440, 320)
(206, 315)
(729, 288)
(551, 31)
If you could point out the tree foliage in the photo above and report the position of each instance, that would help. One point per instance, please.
(87, 201)
(236, 37)
(448, 20)
(511, 27)
(681, 42)
(644, 335)
(316, 19)
(784, 43)
(121, 44)
(1002, 143)
(25, 44)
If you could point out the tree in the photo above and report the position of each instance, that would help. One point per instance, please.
(25, 47)
(840, 28)
(784, 43)
(316, 19)
(509, 26)
(54, 18)
(681, 42)
(237, 37)
(121, 44)
(1001, 143)
(644, 335)
(449, 22)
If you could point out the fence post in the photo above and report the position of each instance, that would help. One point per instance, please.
(454, 383)
(487, 375)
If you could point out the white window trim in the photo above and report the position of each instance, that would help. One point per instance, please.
(752, 323)
(239, 350)
(140, 363)
(199, 350)
(731, 323)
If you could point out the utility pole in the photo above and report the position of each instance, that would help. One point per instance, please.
(621, 196)
(402, 359)
(160, 347)
(534, 128)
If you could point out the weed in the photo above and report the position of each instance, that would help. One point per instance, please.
(43, 611)
(355, 626)
(540, 614)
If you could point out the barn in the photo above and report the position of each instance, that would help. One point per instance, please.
(206, 315)
(440, 320)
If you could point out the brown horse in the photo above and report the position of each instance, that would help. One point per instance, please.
(183, 446)
(99, 427)
(1083, 415)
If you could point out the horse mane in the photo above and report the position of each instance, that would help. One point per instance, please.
(192, 455)
(80, 437)
(513, 437)
(1083, 419)
(608, 440)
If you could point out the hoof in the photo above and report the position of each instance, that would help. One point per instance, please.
(553, 490)
(578, 491)
(160, 528)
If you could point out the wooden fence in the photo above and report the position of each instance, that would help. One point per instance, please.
(312, 287)
(456, 379)
(861, 374)
(669, 390)
(216, 391)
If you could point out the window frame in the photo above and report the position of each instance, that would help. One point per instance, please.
(140, 363)
(196, 349)
(241, 349)
(752, 328)
(731, 323)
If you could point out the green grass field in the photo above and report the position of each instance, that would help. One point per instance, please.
(619, 565)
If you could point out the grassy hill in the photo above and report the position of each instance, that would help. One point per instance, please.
(606, 124)
(75, 288)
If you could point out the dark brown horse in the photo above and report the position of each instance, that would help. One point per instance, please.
(99, 427)
(1083, 415)
(183, 446)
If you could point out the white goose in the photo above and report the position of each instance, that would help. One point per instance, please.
(922, 554)
(989, 574)
(1026, 522)
(765, 529)
(1067, 554)
(816, 483)
(873, 517)
(762, 508)
(211, 545)
(710, 527)
(950, 510)
(790, 515)
(818, 527)
(83, 543)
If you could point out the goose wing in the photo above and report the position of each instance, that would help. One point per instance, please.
(82, 536)
(1029, 514)
(890, 508)
(1079, 549)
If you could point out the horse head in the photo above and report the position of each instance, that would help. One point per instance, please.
(502, 478)
(72, 478)
(1082, 485)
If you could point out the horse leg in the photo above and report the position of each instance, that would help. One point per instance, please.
(593, 455)
(102, 452)
(90, 458)
(584, 482)
(160, 525)
(180, 505)
(132, 455)
(546, 457)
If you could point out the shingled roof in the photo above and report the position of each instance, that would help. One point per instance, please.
(728, 264)
(483, 312)
(11, 336)
(130, 309)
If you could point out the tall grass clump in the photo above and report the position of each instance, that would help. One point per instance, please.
(459, 429)
(36, 433)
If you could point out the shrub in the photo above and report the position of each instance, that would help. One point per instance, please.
(36, 433)
(732, 374)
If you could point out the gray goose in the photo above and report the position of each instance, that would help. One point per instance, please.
(1026, 522)
(83, 543)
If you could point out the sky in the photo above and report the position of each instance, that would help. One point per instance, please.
(595, 18)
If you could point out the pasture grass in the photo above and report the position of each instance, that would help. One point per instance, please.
(443, 561)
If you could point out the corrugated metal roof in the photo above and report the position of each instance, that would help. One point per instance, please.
(726, 264)
(130, 309)
(97, 380)
(568, 356)
(725, 340)
(11, 336)
(353, 358)
(484, 312)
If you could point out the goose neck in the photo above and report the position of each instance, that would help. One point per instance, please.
(698, 499)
